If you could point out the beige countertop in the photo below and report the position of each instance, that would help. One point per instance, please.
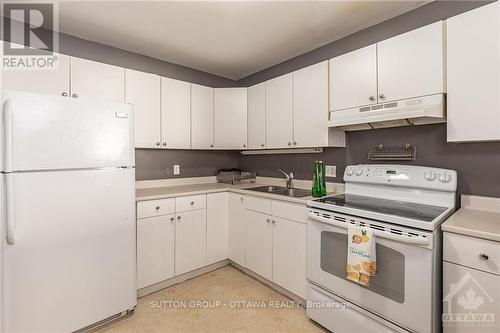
(163, 192)
(479, 217)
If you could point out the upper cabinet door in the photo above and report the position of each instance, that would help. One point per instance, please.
(142, 90)
(257, 116)
(473, 99)
(202, 117)
(279, 115)
(175, 114)
(90, 79)
(310, 106)
(230, 121)
(411, 64)
(353, 79)
(48, 81)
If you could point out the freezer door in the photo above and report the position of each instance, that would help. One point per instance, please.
(45, 132)
(73, 262)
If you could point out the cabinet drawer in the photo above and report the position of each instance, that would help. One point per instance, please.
(184, 204)
(258, 204)
(155, 207)
(472, 252)
(290, 211)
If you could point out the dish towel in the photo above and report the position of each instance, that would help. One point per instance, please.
(361, 255)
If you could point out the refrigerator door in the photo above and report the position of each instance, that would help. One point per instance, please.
(73, 261)
(45, 132)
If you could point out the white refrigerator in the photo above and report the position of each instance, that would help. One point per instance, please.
(68, 253)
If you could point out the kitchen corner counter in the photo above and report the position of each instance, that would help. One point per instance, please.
(152, 193)
(479, 217)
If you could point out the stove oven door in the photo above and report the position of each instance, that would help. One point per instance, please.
(402, 290)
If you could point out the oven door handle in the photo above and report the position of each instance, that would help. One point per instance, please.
(377, 233)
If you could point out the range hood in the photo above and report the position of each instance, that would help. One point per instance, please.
(414, 111)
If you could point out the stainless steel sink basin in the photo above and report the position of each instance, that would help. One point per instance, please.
(280, 190)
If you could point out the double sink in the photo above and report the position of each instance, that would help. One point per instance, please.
(280, 190)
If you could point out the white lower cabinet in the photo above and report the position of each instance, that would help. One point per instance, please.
(155, 249)
(190, 241)
(179, 235)
(217, 227)
(259, 243)
(289, 255)
(236, 228)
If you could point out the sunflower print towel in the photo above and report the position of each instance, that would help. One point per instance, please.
(361, 255)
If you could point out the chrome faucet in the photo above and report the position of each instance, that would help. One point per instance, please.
(289, 179)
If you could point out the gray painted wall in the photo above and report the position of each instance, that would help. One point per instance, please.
(477, 164)
(158, 164)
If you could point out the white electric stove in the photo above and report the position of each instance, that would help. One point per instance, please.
(405, 206)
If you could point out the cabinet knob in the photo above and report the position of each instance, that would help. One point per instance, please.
(274, 221)
(244, 146)
(179, 217)
(289, 143)
(371, 98)
(171, 219)
(164, 144)
(483, 256)
(74, 96)
(157, 143)
(381, 96)
(295, 143)
(268, 220)
(191, 203)
(64, 94)
(262, 145)
(211, 146)
(157, 207)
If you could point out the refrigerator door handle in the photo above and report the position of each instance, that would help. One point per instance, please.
(9, 123)
(10, 225)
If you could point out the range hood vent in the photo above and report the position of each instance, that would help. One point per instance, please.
(415, 111)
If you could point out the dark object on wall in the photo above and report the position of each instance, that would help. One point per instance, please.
(401, 153)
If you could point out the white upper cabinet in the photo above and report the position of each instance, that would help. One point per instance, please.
(353, 79)
(202, 117)
(310, 106)
(230, 118)
(50, 81)
(90, 79)
(279, 115)
(257, 116)
(473, 60)
(411, 64)
(142, 90)
(175, 114)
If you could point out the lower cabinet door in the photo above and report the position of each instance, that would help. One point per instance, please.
(236, 228)
(155, 250)
(289, 255)
(217, 219)
(470, 300)
(190, 240)
(259, 243)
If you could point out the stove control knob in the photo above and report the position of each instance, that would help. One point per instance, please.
(444, 177)
(349, 171)
(359, 172)
(430, 176)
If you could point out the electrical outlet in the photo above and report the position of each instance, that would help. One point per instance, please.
(177, 169)
(330, 171)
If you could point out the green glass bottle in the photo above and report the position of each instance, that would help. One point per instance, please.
(316, 187)
(322, 179)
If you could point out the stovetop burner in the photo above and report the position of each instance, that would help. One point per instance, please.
(409, 210)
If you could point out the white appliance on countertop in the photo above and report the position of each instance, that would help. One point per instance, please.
(68, 243)
(413, 111)
(405, 206)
